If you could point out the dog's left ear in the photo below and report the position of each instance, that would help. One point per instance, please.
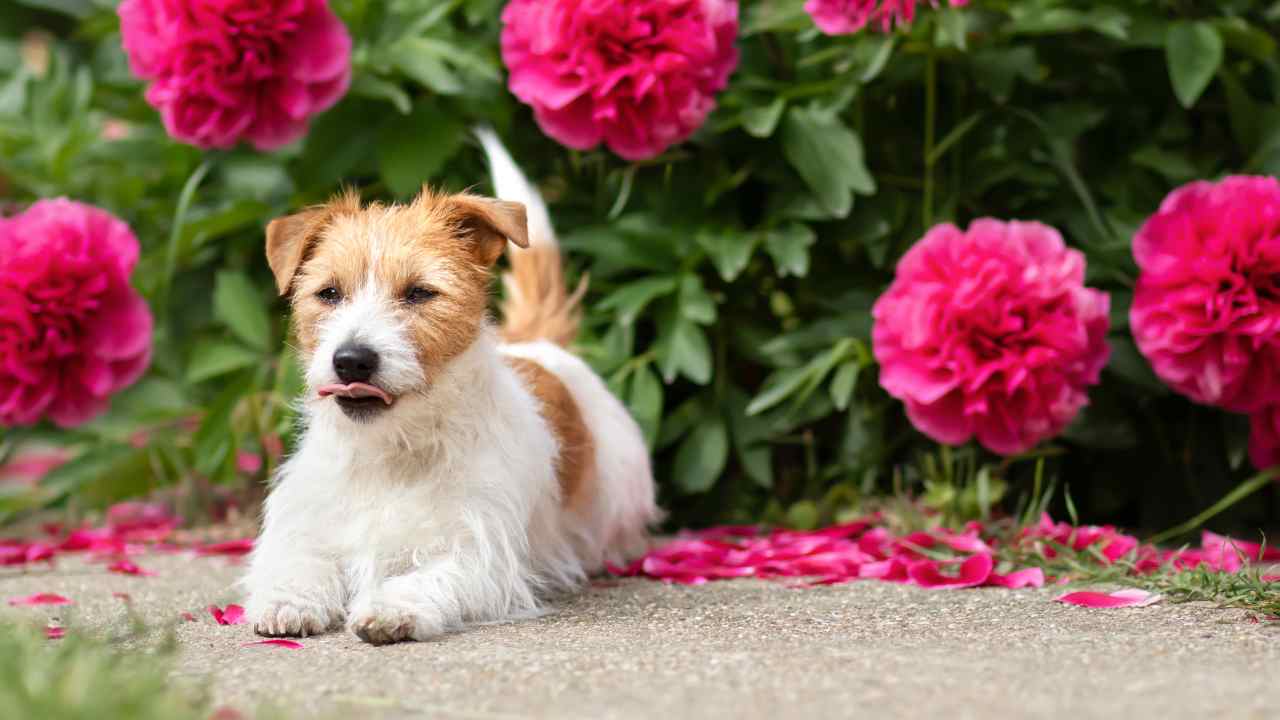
(491, 224)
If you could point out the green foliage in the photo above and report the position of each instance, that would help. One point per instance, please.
(733, 276)
(79, 679)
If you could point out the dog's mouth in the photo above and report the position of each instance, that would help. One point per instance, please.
(358, 400)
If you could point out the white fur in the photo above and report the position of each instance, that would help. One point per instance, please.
(445, 509)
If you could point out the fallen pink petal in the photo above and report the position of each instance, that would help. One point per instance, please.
(972, 573)
(277, 642)
(188, 617)
(1029, 577)
(39, 599)
(1119, 599)
(127, 567)
(229, 547)
(231, 615)
(53, 632)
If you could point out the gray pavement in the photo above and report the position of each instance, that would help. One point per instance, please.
(741, 649)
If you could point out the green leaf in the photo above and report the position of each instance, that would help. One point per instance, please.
(789, 247)
(76, 8)
(630, 299)
(422, 62)
(828, 156)
(239, 305)
(1194, 52)
(998, 69)
(685, 351)
(695, 303)
(842, 385)
(644, 400)
(90, 466)
(376, 88)
(680, 421)
(413, 148)
(800, 382)
(702, 456)
(214, 358)
(803, 515)
(953, 28)
(881, 51)
(778, 387)
(212, 443)
(761, 120)
(729, 251)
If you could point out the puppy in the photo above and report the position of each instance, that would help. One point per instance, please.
(450, 471)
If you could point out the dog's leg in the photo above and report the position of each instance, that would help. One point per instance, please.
(475, 581)
(418, 606)
(293, 591)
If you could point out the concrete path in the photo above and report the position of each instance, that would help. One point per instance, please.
(740, 650)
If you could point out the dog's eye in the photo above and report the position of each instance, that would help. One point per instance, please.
(329, 296)
(416, 295)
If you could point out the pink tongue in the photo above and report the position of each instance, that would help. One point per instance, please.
(354, 390)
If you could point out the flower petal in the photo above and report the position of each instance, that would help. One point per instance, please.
(230, 547)
(39, 599)
(276, 642)
(128, 567)
(1132, 597)
(1028, 577)
(232, 615)
(973, 572)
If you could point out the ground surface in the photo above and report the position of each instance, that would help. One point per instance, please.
(741, 649)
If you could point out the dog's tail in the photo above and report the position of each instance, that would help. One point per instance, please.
(538, 305)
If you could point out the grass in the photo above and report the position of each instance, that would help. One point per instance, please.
(1245, 589)
(958, 488)
(80, 678)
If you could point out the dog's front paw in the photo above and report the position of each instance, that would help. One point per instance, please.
(383, 623)
(279, 619)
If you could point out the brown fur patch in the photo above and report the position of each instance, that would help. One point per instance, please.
(575, 466)
(538, 306)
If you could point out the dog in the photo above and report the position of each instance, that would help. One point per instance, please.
(450, 471)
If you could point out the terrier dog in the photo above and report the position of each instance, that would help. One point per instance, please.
(450, 471)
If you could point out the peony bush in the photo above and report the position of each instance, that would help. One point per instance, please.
(822, 237)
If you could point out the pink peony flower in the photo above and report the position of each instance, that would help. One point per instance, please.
(991, 333)
(639, 75)
(222, 71)
(1206, 310)
(72, 330)
(844, 17)
(1264, 437)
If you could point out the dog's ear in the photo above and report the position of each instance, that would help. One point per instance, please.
(289, 238)
(491, 224)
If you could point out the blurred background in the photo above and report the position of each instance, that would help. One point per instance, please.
(732, 275)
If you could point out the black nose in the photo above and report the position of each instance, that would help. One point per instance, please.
(355, 363)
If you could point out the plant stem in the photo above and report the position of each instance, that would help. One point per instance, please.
(175, 234)
(930, 131)
(1241, 491)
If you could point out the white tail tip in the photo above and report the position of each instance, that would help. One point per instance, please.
(509, 183)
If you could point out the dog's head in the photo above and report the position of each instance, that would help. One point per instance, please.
(385, 296)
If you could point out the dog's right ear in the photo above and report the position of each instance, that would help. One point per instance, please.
(289, 238)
